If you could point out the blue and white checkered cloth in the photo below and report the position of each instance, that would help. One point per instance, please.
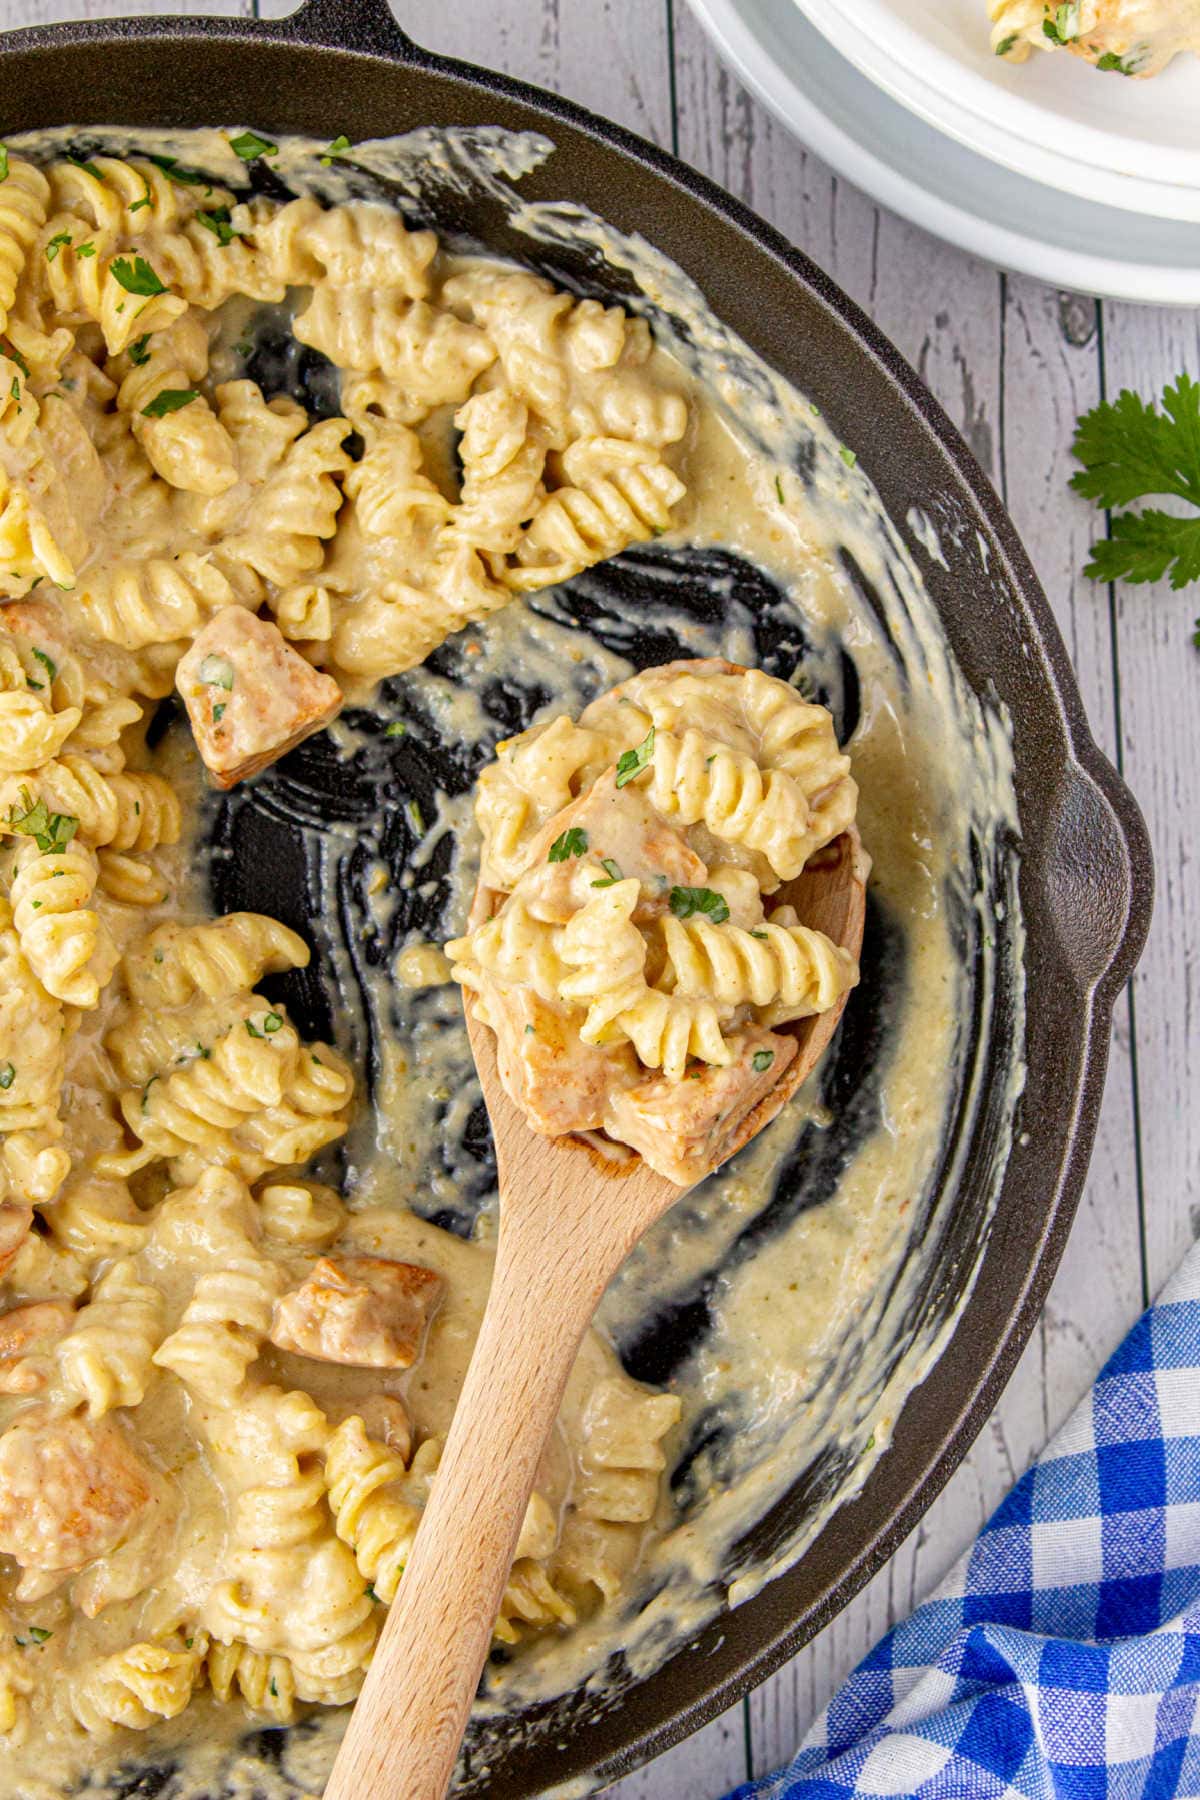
(1061, 1659)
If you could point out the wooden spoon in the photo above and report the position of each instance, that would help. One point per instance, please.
(568, 1218)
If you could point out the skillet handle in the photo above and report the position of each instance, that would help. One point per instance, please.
(350, 25)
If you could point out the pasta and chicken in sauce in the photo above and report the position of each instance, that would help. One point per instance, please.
(630, 970)
(218, 1386)
(1122, 37)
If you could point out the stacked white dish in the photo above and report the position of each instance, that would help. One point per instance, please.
(1084, 178)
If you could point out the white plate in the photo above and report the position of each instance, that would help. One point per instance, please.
(1144, 129)
(920, 89)
(938, 184)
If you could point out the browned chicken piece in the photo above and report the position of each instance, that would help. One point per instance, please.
(26, 1334)
(15, 1222)
(559, 1082)
(621, 826)
(71, 1489)
(364, 1311)
(37, 622)
(684, 1129)
(250, 697)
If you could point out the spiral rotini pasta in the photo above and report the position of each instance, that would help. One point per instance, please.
(134, 1688)
(177, 963)
(67, 944)
(108, 1358)
(24, 197)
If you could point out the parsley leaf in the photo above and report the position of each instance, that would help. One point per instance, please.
(138, 353)
(8, 1075)
(630, 763)
(1129, 449)
(56, 243)
(136, 277)
(684, 901)
(88, 167)
(611, 870)
(1006, 44)
(48, 663)
(14, 355)
(217, 221)
(572, 843)
(397, 728)
(339, 147)
(762, 1059)
(3, 162)
(185, 177)
(169, 400)
(272, 1022)
(248, 145)
(52, 832)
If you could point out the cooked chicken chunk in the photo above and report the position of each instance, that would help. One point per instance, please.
(15, 1221)
(685, 1129)
(363, 1311)
(619, 825)
(558, 1082)
(250, 697)
(71, 1489)
(26, 1334)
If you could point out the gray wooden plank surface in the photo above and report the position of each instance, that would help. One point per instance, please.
(1013, 363)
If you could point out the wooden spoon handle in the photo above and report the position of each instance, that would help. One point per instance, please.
(404, 1736)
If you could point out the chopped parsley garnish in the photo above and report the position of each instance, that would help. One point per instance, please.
(779, 488)
(274, 1689)
(216, 671)
(218, 712)
(416, 818)
(1111, 64)
(14, 355)
(1006, 44)
(185, 177)
(611, 870)
(630, 763)
(88, 167)
(849, 457)
(138, 353)
(339, 147)
(762, 1059)
(8, 1075)
(15, 391)
(48, 663)
(758, 934)
(529, 1031)
(272, 1022)
(372, 1595)
(56, 243)
(684, 901)
(572, 843)
(137, 205)
(169, 400)
(37, 1635)
(136, 277)
(397, 728)
(88, 249)
(3, 162)
(51, 832)
(248, 145)
(1063, 26)
(217, 221)
(1129, 449)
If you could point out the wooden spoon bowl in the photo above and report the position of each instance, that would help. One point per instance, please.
(569, 1216)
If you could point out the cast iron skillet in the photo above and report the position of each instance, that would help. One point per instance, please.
(1085, 871)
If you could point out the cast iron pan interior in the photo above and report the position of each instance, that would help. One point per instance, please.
(1085, 880)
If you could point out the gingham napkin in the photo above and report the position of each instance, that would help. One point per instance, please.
(1061, 1659)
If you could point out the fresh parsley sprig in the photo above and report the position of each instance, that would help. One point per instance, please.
(1129, 451)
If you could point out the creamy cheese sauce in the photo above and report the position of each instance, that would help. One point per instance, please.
(794, 1299)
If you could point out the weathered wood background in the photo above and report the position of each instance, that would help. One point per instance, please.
(1013, 363)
